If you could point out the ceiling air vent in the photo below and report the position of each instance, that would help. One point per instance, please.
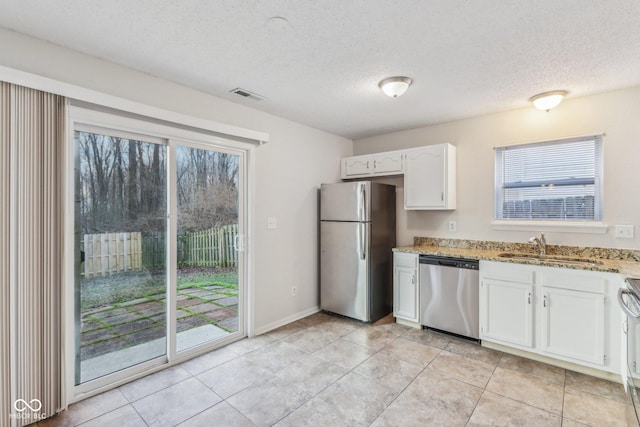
(246, 94)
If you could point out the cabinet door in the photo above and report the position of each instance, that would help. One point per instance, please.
(356, 166)
(506, 313)
(387, 163)
(429, 177)
(573, 324)
(405, 293)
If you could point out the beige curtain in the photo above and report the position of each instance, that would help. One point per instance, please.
(32, 136)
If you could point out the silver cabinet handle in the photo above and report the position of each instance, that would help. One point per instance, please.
(529, 298)
(413, 279)
(544, 301)
(624, 306)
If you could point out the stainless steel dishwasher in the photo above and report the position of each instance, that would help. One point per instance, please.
(449, 294)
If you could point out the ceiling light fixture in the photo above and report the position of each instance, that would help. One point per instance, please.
(395, 86)
(548, 100)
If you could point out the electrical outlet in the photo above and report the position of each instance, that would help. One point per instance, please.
(294, 291)
(272, 223)
(624, 231)
(452, 226)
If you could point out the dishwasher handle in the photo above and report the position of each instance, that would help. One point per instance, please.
(470, 264)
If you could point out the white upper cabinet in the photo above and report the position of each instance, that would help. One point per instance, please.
(380, 164)
(430, 177)
(429, 174)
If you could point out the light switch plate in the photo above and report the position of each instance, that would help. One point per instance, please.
(272, 223)
(452, 226)
(624, 231)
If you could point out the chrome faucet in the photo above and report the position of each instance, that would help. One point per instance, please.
(541, 242)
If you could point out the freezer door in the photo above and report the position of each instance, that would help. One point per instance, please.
(346, 201)
(344, 269)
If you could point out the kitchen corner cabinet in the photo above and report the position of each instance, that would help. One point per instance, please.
(381, 164)
(406, 288)
(430, 177)
(566, 314)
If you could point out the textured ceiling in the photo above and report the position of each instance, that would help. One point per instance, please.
(322, 65)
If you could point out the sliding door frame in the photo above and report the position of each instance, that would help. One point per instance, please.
(174, 135)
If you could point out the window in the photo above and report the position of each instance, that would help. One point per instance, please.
(550, 181)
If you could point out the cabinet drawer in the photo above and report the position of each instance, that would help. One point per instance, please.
(401, 259)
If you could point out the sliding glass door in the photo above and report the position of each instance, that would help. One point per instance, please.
(207, 237)
(151, 286)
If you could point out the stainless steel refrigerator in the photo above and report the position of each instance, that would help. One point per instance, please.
(357, 233)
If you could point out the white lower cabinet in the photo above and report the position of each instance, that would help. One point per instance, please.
(512, 326)
(406, 287)
(573, 324)
(565, 314)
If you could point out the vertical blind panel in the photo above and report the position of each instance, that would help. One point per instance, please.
(36, 141)
(5, 183)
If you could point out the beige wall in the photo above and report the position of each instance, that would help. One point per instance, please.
(617, 114)
(289, 169)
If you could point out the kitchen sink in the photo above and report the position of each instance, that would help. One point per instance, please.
(549, 258)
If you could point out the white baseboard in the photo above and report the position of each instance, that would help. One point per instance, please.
(274, 325)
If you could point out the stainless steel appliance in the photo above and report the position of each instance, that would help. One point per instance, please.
(629, 300)
(449, 295)
(357, 233)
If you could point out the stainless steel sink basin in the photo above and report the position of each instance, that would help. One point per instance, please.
(549, 258)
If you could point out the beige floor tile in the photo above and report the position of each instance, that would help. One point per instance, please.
(566, 422)
(209, 360)
(431, 400)
(125, 416)
(222, 414)
(527, 389)
(234, 376)
(609, 389)
(88, 409)
(154, 382)
(411, 351)
(425, 336)
(395, 328)
(311, 339)
(357, 398)
(267, 402)
(533, 368)
(387, 370)
(276, 356)
(474, 351)
(317, 412)
(176, 403)
(248, 345)
(593, 410)
(344, 353)
(371, 337)
(495, 410)
(340, 326)
(463, 369)
(312, 374)
(285, 331)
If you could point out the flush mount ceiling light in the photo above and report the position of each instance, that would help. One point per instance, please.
(548, 100)
(395, 86)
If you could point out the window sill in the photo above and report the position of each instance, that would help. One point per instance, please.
(559, 226)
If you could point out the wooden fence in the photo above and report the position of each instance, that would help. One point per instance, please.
(111, 253)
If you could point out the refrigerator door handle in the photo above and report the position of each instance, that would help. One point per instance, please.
(363, 203)
(362, 232)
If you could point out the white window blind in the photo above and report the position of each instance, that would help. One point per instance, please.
(551, 181)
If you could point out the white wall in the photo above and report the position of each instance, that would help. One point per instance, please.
(617, 114)
(289, 169)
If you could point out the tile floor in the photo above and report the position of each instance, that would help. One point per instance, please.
(325, 370)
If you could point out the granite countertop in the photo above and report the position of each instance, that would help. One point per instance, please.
(622, 261)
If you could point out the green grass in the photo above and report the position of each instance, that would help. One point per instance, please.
(123, 287)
